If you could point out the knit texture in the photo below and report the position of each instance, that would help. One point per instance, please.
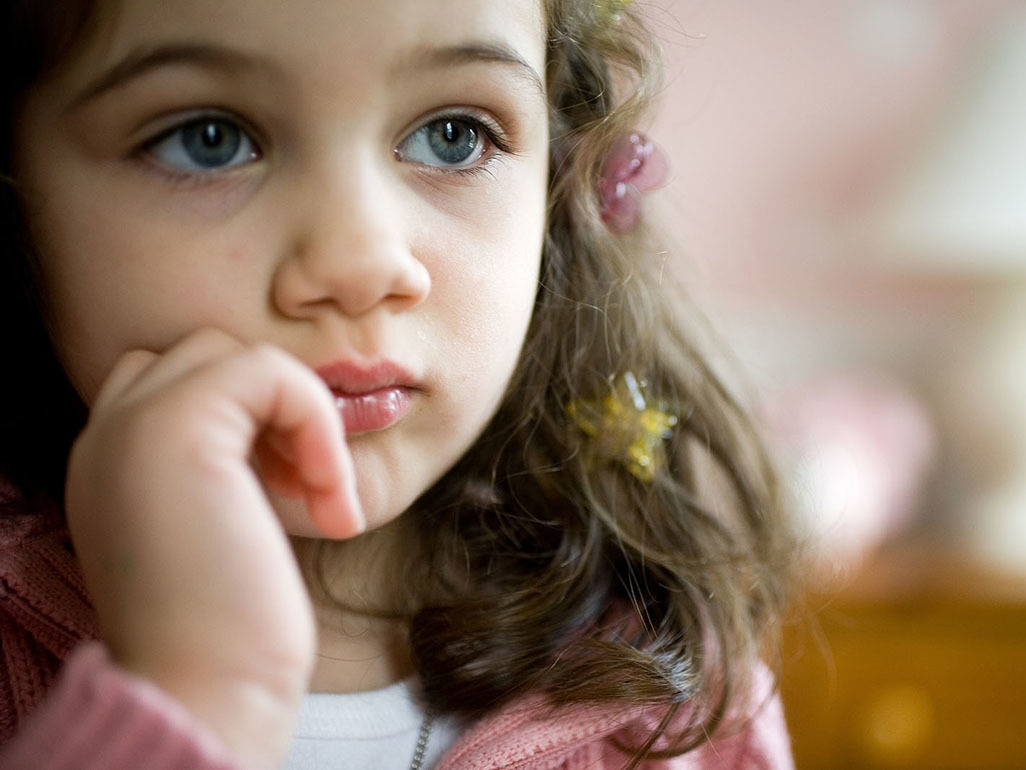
(44, 612)
(65, 706)
(106, 719)
(531, 736)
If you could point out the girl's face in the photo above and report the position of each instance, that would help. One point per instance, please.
(360, 183)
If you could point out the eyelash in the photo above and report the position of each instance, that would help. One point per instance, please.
(497, 144)
(147, 149)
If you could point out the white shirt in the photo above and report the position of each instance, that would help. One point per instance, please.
(377, 729)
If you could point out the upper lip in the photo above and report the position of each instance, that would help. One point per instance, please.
(353, 377)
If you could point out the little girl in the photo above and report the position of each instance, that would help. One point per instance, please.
(348, 423)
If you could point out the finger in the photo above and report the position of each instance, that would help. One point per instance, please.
(139, 373)
(124, 374)
(275, 464)
(199, 349)
(291, 419)
(280, 472)
(335, 508)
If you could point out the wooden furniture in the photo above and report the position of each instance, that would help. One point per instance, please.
(920, 662)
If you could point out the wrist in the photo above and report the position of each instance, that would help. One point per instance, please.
(253, 717)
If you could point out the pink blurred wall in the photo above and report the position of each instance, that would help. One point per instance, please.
(785, 121)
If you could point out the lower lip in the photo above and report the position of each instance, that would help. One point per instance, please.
(374, 410)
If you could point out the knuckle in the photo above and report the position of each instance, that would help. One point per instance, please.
(274, 359)
(211, 335)
(270, 354)
(134, 359)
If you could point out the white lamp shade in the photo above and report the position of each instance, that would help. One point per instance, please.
(961, 204)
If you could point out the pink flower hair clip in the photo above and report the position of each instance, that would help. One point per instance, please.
(634, 166)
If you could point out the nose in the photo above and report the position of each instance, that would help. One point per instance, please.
(349, 251)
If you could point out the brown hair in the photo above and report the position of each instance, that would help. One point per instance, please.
(565, 574)
(43, 412)
(542, 567)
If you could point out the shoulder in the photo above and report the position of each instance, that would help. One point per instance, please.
(530, 734)
(755, 739)
(42, 594)
(533, 736)
(25, 519)
(35, 547)
(44, 611)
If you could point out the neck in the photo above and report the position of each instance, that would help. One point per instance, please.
(356, 653)
(358, 605)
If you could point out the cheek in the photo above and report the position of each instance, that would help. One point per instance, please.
(89, 287)
(487, 300)
(117, 284)
(498, 246)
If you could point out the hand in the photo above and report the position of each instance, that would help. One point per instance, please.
(188, 566)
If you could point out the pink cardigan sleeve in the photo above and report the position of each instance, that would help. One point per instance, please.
(98, 717)
(528, 735)
(755, 737)
(762, 744)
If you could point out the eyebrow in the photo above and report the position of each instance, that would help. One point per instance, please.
(144, 60)
(476, 52)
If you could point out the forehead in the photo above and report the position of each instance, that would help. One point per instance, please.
(312, 32)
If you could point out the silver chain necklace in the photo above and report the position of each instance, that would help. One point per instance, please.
(422, 741)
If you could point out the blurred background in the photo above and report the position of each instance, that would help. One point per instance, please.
(848, 198)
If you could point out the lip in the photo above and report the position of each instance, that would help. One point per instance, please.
(369, 397)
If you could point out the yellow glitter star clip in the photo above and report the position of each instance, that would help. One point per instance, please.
(610, 9)
(627, 429)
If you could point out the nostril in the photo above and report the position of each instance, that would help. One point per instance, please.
(351, 282)
(419, 281)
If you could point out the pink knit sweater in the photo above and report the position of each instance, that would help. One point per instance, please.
(65, 706)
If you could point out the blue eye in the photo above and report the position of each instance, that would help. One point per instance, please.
(204, 144)
(445, 142)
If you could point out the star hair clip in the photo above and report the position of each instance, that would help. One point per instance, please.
(610, 9)
(626, 427)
